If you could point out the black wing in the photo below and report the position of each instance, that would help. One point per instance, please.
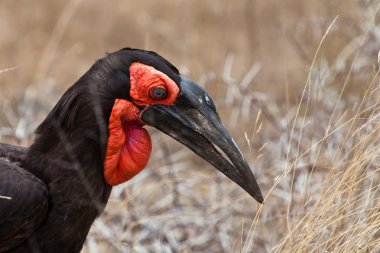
(23, 199)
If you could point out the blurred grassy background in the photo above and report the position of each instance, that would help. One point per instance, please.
(255, 57)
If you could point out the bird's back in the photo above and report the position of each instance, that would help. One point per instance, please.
(23, 199)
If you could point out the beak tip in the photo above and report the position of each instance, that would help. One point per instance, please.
(257, 195)
(259, 198)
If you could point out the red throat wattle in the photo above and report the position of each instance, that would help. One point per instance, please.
(129, 145)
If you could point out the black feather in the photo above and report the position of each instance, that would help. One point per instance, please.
(68, 153)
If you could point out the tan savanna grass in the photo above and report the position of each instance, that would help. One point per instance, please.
(296, 83)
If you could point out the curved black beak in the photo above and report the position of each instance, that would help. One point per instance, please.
(194, 121)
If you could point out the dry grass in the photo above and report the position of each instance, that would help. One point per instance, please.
(296, 83)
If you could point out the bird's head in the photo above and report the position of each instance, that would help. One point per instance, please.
(143, 88)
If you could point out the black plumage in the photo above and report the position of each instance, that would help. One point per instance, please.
(24, 198)
(53, 191)
(67, 156)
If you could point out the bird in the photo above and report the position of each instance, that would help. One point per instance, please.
(94, 138)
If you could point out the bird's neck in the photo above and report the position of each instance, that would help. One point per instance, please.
(68, 156)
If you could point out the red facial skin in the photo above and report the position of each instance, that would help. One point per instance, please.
(129, 145)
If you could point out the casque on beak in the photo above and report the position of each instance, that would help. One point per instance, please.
(194, 121)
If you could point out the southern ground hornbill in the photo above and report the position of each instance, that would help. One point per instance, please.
(93, 139)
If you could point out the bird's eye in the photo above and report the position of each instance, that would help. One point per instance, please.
(158, 93)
